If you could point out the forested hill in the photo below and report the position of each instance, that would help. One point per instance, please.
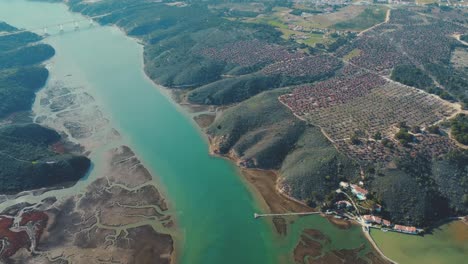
(20, 71)
(28, 159)
(217, 53)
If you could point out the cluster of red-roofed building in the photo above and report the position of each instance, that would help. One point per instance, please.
(376, 220)
(406, 229)
(372, 220)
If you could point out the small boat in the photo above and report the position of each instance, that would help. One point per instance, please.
(384, 229)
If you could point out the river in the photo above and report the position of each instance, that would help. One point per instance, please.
(213, 207)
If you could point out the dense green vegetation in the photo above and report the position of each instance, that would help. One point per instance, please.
(11, 42)
(464, 38)
(18, 87)
(27, 159)
(420, 191)
(411, 76)
(459, 128)
(28, 163)
(5, 27)
(453, 80)
(368, 18)
(26, 56)
(19, 77)
(403, 136)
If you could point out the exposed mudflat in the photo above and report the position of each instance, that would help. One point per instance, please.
(116, 215)
(73, 111)
(110, 221)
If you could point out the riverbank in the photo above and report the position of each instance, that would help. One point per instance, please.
(263, 184)
(117, 212)
(182, 163)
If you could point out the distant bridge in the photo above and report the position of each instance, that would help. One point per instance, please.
(60, 26)
(285, 214)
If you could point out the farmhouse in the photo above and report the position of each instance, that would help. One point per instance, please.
(371, 219)
(405, 229)
(359, 192)
(386, 222)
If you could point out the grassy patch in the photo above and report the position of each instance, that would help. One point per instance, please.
(368, 18)
(352, 54)
(272, 21)
(314, 39)
(426, 2)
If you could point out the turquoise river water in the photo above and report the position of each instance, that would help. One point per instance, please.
(213, 207)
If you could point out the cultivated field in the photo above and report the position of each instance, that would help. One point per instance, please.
(368, 104)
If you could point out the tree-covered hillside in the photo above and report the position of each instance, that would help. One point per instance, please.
(264, 134)
(28, 161)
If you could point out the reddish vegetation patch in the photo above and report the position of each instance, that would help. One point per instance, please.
(37, 219)
(249, 53)
(58, 147)
(15, 238)
(304, 66)
(332, 92)
(12, 241)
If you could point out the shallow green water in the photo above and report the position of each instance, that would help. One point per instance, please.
(340, 238)
(447, 244)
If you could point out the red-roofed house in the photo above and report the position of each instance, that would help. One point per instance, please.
(405, 229)
(359, 192)
(371, 219)
(386, 222)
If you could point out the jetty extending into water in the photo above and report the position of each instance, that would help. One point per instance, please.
(285, 214)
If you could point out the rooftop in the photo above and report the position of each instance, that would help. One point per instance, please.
(410, 229)
(359, 189)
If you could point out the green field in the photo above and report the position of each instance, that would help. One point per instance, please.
(352, 54)
(368, 18)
